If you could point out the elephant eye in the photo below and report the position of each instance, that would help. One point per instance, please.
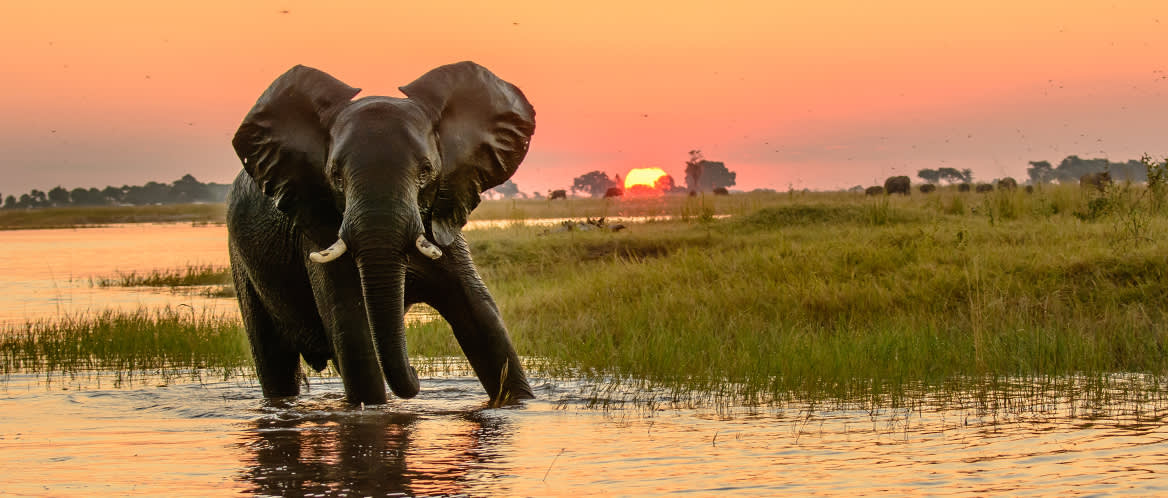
(425, 170)
(337, 179)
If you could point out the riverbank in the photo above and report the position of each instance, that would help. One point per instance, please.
(832, 295)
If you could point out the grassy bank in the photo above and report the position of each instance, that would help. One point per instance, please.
(816, 294)
(840, 294)
(78, 217)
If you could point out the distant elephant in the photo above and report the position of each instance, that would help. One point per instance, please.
(876, 190)
(348, 212)
(1029, 189)
(897, 185)
(964, 187)
(928, 188)
(1099, 180)
(721, 191)
(613, 192)
(557, 194)
(983, 188)
(1007, 183)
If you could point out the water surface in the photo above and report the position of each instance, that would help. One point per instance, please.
(93, 435)
(220, 437)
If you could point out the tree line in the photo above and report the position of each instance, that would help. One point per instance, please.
(1069, 170)
(701, 175)
(184, 190)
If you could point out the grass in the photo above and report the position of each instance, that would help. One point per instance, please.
(191, 275)
(165, 342)
(79, 217)
(815, 295)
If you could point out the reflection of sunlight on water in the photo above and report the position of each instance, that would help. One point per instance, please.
(215, 436)
(49, 273)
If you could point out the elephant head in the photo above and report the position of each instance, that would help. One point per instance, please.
(380, 177)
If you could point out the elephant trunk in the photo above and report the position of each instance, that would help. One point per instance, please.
(381, 254)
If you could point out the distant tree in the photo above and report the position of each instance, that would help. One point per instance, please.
(702, 175)
(112, 195)
(952, 175)
(1040, 172)
(665, 184)
(58, 196)
(596, 183)
(693, 170)
(86, 197)
(507, 189)
(187, 189)
(25, 201)
(10, 202)
(929, 175)
(151, 193)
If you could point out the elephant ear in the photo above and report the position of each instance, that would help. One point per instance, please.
(283, 144)
(484, 125)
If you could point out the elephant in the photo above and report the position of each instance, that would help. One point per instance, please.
(1007, 183)
(721, 191)
(964, 187)
(928, 188)
(613, 192)
(348, 212)
(897, 185)
(982, 188)
(557, 194)
(875, 190)
(1029, 189)
(1099, 181)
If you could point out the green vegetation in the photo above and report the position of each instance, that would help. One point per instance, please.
(76, 217)
(189, 276)
(821, 295)
(185, 190)
(168, 342)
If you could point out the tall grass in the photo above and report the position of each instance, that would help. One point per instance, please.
(191, 275)
(165, 342)
(817, 294)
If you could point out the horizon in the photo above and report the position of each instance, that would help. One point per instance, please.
(822, 97)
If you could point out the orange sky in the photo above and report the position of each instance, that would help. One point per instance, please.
(813, 94)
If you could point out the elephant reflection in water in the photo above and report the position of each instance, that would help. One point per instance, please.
(369, 453)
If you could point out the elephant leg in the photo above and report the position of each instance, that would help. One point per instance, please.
(277, 363)
(342, 310)
(458, 294)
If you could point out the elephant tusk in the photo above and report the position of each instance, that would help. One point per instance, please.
(330, 253)
(427, 249)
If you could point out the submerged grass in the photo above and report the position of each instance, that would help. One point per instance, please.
(817, 296)
(156, 342)
(191, 275)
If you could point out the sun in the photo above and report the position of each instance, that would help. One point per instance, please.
(646, 177)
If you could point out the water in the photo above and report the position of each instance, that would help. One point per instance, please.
(99, 434)
(47, 273)
(212, 438)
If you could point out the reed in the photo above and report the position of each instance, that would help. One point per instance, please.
(191, 275)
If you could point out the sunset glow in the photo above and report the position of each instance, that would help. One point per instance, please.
(128, 92)
(643, 176)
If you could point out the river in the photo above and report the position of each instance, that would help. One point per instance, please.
(92, 434)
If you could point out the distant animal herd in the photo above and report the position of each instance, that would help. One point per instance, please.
(902, 185)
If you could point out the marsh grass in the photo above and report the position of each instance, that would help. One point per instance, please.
(191, 275)
(820, 296)
(167, 342)
(77, 217)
